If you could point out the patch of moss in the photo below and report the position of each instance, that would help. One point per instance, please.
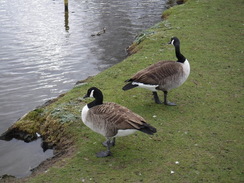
(167, 13)
(31, 121)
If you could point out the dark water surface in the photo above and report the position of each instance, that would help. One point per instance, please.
(43, 52)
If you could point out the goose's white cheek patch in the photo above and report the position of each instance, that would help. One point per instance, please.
(91, 94)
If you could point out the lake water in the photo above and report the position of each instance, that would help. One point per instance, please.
(43, 52)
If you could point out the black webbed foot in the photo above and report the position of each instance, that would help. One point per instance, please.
(108, 143)
(103, 154)
(169, 103)
(166, 102)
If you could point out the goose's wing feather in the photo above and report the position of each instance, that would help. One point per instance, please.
(158, 72)
(112, 117)
(116, 116)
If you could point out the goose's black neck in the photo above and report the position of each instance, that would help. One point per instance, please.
(98, 101)
(179, 56)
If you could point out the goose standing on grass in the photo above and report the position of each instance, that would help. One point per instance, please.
(164, 75)
(111, 120)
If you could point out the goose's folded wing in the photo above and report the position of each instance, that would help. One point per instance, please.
(155, 73)
(116, 116)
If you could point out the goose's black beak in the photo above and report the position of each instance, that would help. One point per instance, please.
(85, 96)
(163, 44)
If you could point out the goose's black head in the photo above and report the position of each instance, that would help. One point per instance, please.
(95, 93)
(174, 41)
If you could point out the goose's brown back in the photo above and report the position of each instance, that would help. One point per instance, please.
(110, 117)
(158, 73)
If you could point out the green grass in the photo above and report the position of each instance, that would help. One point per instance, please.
(204, 132)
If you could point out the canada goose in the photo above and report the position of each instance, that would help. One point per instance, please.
(111, 120)
(164, 75)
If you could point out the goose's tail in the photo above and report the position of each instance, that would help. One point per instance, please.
(148, 129)
(129, 86)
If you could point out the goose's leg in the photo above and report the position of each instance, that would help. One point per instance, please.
(112, 142)
(105, 153)
(105, 143)
(166, 102)
(156, 99)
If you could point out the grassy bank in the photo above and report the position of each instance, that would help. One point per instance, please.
(204, 132)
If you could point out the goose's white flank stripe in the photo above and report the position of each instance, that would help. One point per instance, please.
(146, 86)
(122, 133)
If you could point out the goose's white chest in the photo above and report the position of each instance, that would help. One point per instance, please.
(91, 124)
(186, 69)
(186, 72)
(84, 113)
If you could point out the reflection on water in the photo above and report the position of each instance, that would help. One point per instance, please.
(44, 51)
(28, 157)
